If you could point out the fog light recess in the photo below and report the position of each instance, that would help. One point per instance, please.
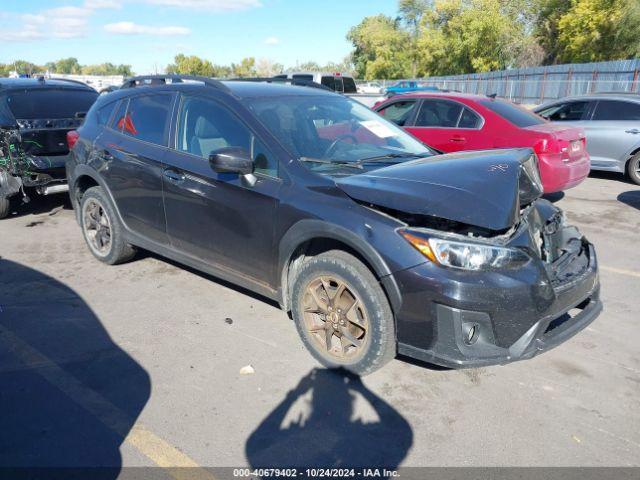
(471, 332)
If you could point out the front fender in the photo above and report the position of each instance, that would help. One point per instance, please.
(310, 229)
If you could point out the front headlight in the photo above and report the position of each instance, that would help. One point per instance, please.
(465, 255)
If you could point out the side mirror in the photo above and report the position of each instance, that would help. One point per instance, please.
(231, 160)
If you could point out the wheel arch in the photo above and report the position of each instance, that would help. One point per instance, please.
(85, 177)
(311, 237)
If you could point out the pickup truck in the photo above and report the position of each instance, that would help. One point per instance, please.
(406, 86)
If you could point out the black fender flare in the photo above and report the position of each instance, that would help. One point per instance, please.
(310, 229)
(83, 170)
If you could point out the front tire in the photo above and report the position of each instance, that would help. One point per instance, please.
(101, 228)
(342, 314)
(633, 169)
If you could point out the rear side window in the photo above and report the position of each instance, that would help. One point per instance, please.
(399, 112)
(469, 119)
(349, 85)
(329, 82)
(439, 113)
(49, 103)
(565, 112)
(104, 113)
(147, 118)
(518, 116)
(616, 110)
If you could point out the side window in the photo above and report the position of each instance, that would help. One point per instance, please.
(399, 112)
(349, 85)
(104, 113)
(439, 113)
(119, 119)
(147, 118)
(616, 110)
(329, 82)
(565, 112)
(469, 119)
(205, 126)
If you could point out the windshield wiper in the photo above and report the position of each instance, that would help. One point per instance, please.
(387, 157)
(342, 163)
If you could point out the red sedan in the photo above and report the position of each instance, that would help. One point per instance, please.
(452, 122)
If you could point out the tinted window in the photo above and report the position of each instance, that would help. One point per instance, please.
(469, 119)
(119, 119)
(43, 103)
(349, 85)
(565, 112)
(439, 113)
(329, 82)
(306, 78)
(616, 110)
(205, 126)
(339, 84)
(399, 112)
(147, 118)
(514, 114)
(104, 113)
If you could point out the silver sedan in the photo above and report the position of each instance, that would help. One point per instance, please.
(612, 125)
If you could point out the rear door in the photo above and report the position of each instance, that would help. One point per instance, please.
(449, 126)
(612, 133)
(132, 150)
(222, 219)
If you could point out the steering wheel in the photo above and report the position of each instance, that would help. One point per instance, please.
(340, 138)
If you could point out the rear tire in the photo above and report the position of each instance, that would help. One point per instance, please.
(342, 314)
(633, 169)
(102, 230)
(5, 208)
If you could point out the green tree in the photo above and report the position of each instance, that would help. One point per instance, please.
(466, 36)
(65, 65)
(246, 68)
(380, 48)
(191, 65)
(597, 30)
(410, 13)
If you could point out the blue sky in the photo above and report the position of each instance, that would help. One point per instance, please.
(148, 33)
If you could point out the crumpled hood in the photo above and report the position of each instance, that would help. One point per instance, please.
(481, 188)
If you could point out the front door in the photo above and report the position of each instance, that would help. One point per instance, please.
(225, 220)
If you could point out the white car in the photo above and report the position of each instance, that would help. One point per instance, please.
(370, 87)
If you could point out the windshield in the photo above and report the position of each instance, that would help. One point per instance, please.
(331, 131)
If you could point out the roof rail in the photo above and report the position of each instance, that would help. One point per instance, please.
(132, 82)
(293, 81)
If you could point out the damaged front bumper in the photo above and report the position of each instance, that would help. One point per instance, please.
(461, 319)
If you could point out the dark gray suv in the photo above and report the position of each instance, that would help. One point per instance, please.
(375, 244)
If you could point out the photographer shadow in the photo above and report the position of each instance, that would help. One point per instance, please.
(330, 420)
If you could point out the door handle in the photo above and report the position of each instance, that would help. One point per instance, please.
(174, 175)
(633, 131)
(457, 138)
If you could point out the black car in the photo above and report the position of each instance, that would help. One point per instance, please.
(35, 116)
(376, 245)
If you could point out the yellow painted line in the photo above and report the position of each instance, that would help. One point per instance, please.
(159, 451)
(621, 271)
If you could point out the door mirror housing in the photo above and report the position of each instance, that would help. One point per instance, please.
(231, 160)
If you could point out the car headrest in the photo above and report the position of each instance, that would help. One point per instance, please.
(206, 129)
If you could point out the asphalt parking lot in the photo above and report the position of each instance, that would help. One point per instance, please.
(138, 365)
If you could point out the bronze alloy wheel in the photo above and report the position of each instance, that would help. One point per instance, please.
(97, 227)
(335, 318)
